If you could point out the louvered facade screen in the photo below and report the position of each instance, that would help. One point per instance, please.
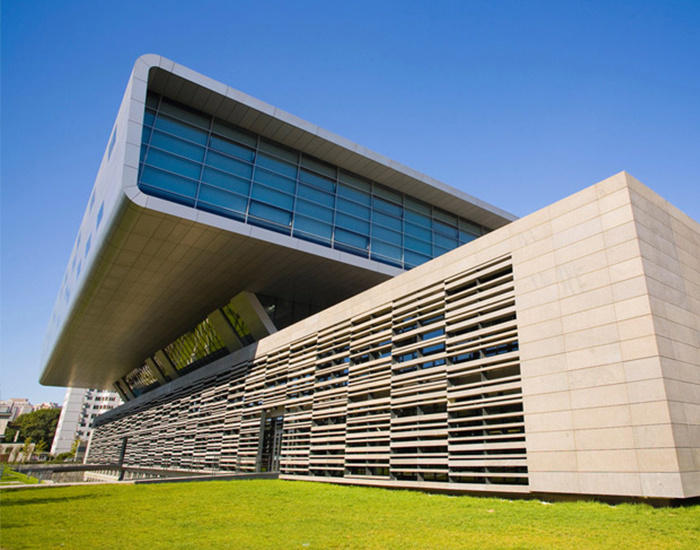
(425, 388)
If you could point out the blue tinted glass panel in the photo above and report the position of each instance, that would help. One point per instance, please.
(314, 210)
(317, 181)
(353, 194)
(173, 164)
(418, 219)
(445, 229)
(465, 237)
(279, 151)
(414, 259)
(417, 245)
(418, 232)
(439, 251)
(348, 222)
(274, 180)
(177, 146)
(234, 134)
(349, 207)
(272, 197)
(152, 100)
(222, 198)
(181, 129)
(226, 181)
(149, 117)
(446, 217)
(387, 194)
(315, 227)
(445, 242)
(270, 213)
(167, 195)
(356, 181)
(230, 165)
(277, 165)
(220, 211)
(418, 206)
(387, 235)
(385, 249)
(351, 239)
(183, 113)
(170, 182)
(386, 221)
(386, 206)
(231, 148)
(319, 166)
(315, 195)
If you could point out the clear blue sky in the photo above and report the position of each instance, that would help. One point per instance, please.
(519, 103)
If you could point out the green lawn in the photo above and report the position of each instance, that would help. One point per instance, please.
(10, 477)
(284, 514)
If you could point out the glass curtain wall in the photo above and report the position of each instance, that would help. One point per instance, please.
(200, 161)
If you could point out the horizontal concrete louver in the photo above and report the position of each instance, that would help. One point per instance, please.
(425, 389)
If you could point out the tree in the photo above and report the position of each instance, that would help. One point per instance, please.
(27, 449)
(36, 425)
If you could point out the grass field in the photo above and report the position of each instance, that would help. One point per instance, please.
(10, 477)
(283, 514)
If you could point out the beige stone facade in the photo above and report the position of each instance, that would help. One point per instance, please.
(558, 354)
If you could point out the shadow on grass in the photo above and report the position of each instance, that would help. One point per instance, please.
(6, 503)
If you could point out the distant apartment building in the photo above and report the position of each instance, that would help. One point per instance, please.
(16, 406)
(80, 407)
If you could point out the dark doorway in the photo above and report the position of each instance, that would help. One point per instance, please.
(271, 444)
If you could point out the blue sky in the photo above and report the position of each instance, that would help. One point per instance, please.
(519, 103)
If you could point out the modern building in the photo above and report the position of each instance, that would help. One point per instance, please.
(80, 407)
(268, 296)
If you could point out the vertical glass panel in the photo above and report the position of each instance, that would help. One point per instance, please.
(314, 210)
(418, 245)
(387, 221)
(235, 134)
(174, 164)
(265, 212)
(445, 217)
(351, 223)
(317, 181)
(230, 165)
(387, 207)
(315, 195)
(195, 118)
(385, 249)
(418, 219)
(354, 194)
(231, 148)
(272, 197)
(386, 235)
(349, 207)
(445, 242)
(356, 181)
(445, 229)
(177, 146)
(277, 165)
(413, 259)
(272, 179)
(351, 239)
(226, 181)
(387, 194)
(280, 151)
(417, 206)
(170, 182)
(219, 197)
(149, 117)
(152, 100)
(178, 128)
(418, 232)
(315, 227)
(319, 166)
(465, 237)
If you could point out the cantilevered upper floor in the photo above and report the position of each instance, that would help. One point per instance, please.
(204, 193)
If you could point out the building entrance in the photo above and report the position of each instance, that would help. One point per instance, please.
(271, 445)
